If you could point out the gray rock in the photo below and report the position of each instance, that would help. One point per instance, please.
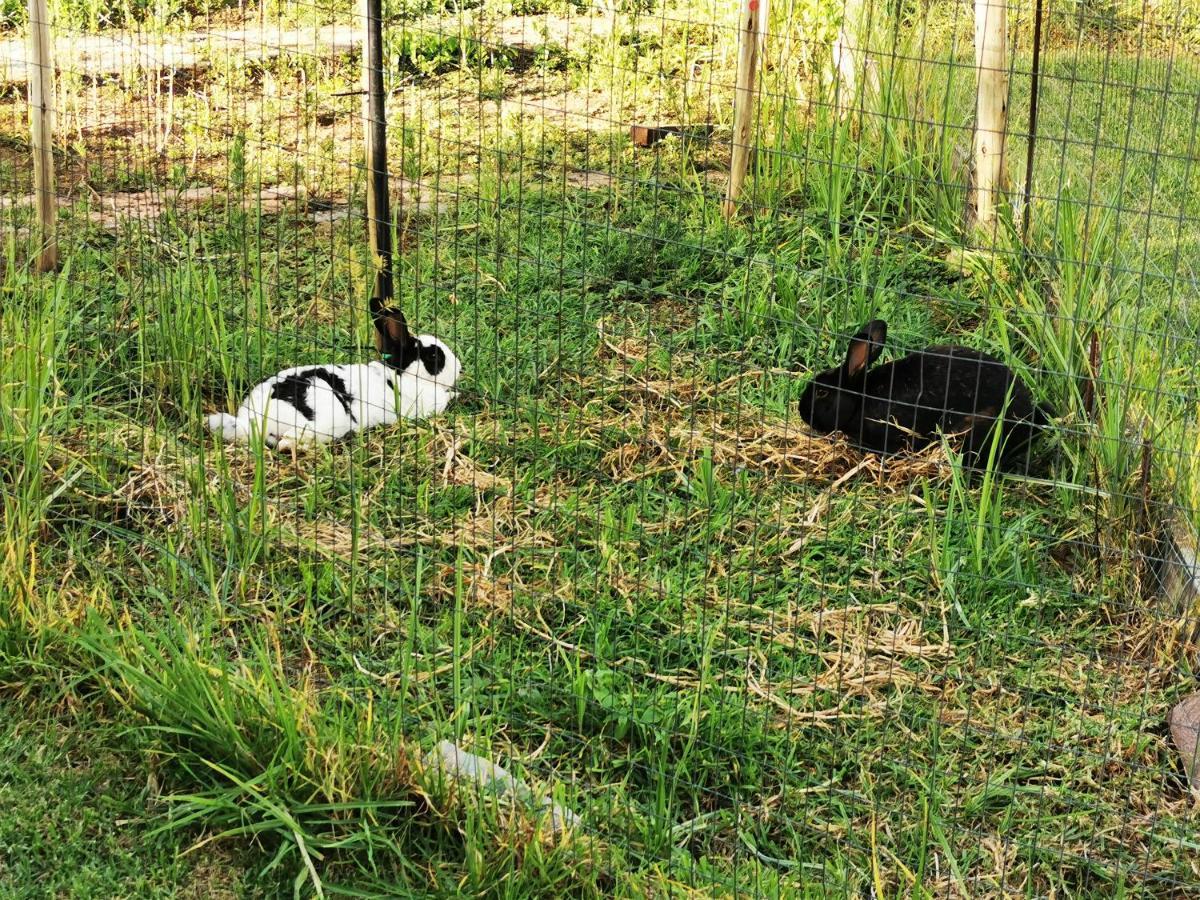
(456, 763)
(1185, 731)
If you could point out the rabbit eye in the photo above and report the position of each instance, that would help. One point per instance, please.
(821, 395)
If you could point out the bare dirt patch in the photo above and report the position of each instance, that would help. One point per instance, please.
(116, 54)
(110, 211)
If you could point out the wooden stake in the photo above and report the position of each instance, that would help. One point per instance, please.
(849, 57)
(41, 108)
(375, 138)
(1089, 387)
(750, 40)
(991, 109)
(1034, 84)
(1147, 529)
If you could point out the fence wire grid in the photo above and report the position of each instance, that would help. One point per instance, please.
(717, 645)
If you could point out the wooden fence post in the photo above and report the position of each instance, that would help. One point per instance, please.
(379, 217)
(849, 55)
(40, 70)
(1031, 146)
(991, 109)
(751, 33)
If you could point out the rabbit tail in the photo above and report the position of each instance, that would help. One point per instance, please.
(230, 428)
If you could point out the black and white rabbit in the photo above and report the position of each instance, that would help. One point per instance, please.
(318, 404)
(903, 404)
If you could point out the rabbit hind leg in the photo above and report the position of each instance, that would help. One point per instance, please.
(291, 440)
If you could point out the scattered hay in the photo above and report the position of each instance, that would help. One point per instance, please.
(680, 417)
(790, 453)
(155, 492)
(485, 591)
(861, 647)
(328, 537)
(461, 469)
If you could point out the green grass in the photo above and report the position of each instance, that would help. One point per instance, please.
(80, 818)
(615, 565)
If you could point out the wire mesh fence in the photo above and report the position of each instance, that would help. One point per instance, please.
(645, 554)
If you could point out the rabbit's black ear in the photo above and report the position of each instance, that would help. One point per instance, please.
(392, 337)
(865, 347)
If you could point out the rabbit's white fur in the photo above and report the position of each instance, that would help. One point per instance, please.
(318, 404)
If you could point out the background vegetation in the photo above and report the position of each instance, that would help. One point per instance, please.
(751, 661)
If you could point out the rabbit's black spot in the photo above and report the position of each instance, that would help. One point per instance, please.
(336, 384)
(433, 359)
(293, 389)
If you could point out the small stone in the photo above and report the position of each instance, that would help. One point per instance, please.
(1185, 731)
(457, 763)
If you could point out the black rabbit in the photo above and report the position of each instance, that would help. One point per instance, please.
(902, 405)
